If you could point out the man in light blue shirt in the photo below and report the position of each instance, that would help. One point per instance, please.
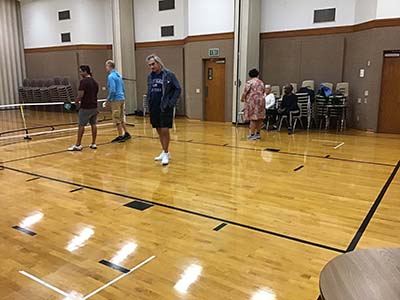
(116, 99)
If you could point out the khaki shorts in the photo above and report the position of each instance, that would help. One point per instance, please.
(118, 111)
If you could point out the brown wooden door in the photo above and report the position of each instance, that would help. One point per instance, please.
(214, 106)
(389, 111)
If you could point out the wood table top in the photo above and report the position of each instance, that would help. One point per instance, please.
(371, 274)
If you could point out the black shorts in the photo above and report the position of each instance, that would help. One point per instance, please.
(159, 119)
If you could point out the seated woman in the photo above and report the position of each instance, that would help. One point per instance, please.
(270, 108)
(289, 106)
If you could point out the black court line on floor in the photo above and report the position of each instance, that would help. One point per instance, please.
(13, 143)
(24, 230)
(33, 179)
(353, 244)
(338, 159)
(216, 145)
(277, 151)
(51, 126)
(327, 156)
(77, 190)
(183, 210)
(272, 150)
(114, 266)
(298, 168)
(220, 226)
(47, 154)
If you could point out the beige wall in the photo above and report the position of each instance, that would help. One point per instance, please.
(96, 59)
(172, 56)
(362, 47)
(195, 53)
(42, 65)
(334, 58)
(186, 61)
(296, 59)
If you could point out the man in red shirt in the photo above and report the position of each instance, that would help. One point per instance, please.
(86, 103)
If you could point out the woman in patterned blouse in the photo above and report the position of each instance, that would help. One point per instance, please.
(254, 104)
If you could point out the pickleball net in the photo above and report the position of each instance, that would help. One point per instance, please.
(33, 120)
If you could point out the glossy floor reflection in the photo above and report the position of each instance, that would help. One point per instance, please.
(282, 226)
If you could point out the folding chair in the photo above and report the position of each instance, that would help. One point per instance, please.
(304, 103)
(343, 88)
(329, 85)
(240, 116)
(293, 118)
(275, 89)
(309, 83)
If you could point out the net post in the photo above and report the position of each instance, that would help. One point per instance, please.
(26, 137)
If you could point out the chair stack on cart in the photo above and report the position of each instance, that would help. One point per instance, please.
(44, 91)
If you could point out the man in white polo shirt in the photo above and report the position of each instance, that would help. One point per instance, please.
(270, 107)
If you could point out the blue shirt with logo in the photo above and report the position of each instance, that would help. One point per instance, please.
(156, 91)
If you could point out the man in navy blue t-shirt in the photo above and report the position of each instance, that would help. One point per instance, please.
(156, 89)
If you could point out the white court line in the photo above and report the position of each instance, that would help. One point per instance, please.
(57, 290)
(41, 104)
(68, 296)
(119, 278)
(49, 132)
(338, 146)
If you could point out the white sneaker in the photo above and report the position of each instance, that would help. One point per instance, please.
(165, 159)
(93, 146)
(75, 148)
(160, 157)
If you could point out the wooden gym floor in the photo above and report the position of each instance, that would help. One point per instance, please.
(227, 219)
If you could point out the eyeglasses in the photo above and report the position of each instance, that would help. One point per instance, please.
(152, 64)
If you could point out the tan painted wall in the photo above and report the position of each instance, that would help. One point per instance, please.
(296, 59)
(172, 56)
(66, 64)
(334, 58)
(195, 53)
(362, 47)
(96, 60)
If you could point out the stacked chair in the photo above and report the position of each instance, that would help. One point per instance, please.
(317, 110)
(63, 95)
(321, 110)
(43, 91)
(36, 85)
(23, 95)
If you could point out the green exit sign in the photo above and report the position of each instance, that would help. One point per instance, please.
(213, 52)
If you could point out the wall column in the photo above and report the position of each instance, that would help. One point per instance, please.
(124, 49)
(247, 47)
